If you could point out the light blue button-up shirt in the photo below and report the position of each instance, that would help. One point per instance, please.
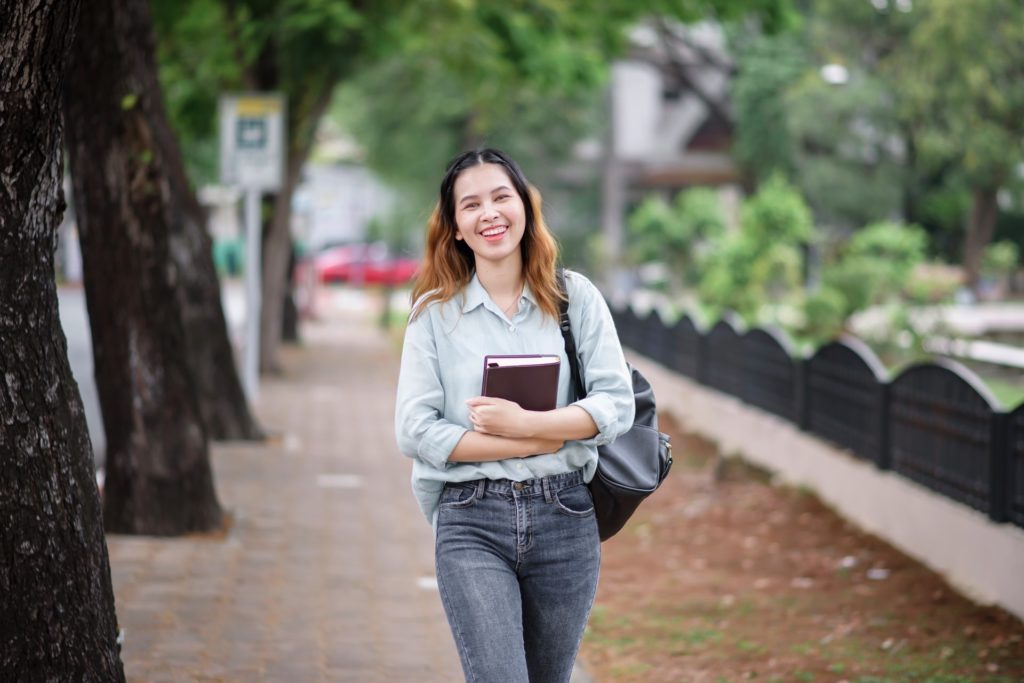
(442, 367)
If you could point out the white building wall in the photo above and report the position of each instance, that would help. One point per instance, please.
(337, 202)
(636, 95)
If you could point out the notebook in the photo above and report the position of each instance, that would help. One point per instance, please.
(530, 380)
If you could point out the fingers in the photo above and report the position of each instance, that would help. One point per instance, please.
(488, 401)
(478, 423)
(480, 428)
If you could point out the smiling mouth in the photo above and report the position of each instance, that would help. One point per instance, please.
(495, 233)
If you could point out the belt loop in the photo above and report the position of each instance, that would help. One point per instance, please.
(481, 485)
(545, 485)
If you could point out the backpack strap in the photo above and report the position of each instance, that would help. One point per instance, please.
(570, 342)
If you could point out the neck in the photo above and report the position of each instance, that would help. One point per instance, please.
(502, 280)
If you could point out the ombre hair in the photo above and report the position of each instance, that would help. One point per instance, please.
(448, 263)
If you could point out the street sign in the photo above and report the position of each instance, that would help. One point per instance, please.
(252, 141)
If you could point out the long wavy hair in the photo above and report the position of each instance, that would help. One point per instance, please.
(448, 263)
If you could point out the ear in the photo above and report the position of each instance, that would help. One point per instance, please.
(458, 234)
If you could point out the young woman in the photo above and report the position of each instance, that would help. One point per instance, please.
(516, 542)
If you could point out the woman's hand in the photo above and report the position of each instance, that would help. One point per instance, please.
(499, 417)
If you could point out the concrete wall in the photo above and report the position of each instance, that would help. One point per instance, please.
(983, 560)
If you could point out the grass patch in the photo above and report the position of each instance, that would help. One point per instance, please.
(713, 608)
(699, 636)
(1011, 394)
(631, 669)
(735, 468)
(749, 646)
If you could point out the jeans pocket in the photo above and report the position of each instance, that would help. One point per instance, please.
(575, 501)
(457, 497)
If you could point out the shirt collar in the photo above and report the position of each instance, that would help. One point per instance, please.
(475, 295)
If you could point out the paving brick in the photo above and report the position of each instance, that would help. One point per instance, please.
(310, 583)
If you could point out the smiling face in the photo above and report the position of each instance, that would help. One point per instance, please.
(489, 214)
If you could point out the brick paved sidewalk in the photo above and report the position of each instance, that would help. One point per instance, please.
(327, 572)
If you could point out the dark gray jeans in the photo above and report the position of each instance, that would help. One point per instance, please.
(517, 567)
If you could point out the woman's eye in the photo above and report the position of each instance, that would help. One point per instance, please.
(471, 205)
(502, 197)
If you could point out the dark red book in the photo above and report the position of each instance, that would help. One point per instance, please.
(530, 381)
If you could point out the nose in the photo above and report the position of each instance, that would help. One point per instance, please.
(489, 212)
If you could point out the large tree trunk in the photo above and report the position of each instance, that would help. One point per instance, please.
(290, 310)
(980, 228)
(57, 618)
(158, 478)
(222, 401)
(277, 248)
(308, 99)
(277, 237)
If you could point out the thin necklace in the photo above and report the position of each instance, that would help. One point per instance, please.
(515, 301)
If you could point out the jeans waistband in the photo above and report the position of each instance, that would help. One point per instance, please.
(527, 487)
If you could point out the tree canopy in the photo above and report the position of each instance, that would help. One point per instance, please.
(421, 80)
(890, 109)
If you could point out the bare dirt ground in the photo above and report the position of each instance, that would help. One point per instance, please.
(722, 577)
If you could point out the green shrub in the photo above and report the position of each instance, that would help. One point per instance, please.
(825, 312)
(776, 214)
(1000, 259)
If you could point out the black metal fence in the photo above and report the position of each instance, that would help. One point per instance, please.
(720, 367)
(935, 423)
(1015, 446)
(846, 398)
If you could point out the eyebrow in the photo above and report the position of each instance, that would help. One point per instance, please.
(497, 189)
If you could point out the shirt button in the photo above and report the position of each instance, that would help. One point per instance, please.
(511, 328)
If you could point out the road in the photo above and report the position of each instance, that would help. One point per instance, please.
(75, 320)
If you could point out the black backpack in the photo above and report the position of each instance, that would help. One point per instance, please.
(633, 466)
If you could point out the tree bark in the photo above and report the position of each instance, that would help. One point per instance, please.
(158, 478)
(277, 247)
(981, 227)
(290, 310)
(222, 401)
(57, 619)
(277, 238)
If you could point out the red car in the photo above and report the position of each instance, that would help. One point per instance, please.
(364, 264)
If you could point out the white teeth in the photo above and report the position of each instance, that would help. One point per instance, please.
(493, 231)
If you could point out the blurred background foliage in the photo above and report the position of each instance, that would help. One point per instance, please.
(878, 139)
(904, 144)
(459, 70)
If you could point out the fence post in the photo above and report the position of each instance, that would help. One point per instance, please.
(700, 374)
(999, 467)
(884, 459)
(803, 415)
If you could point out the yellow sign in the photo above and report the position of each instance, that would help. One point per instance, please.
(257, 106)
(252, 140)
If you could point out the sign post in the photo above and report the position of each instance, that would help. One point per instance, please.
(252, 158)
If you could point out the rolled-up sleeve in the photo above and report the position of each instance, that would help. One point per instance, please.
(420, 429)
(609, 399)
